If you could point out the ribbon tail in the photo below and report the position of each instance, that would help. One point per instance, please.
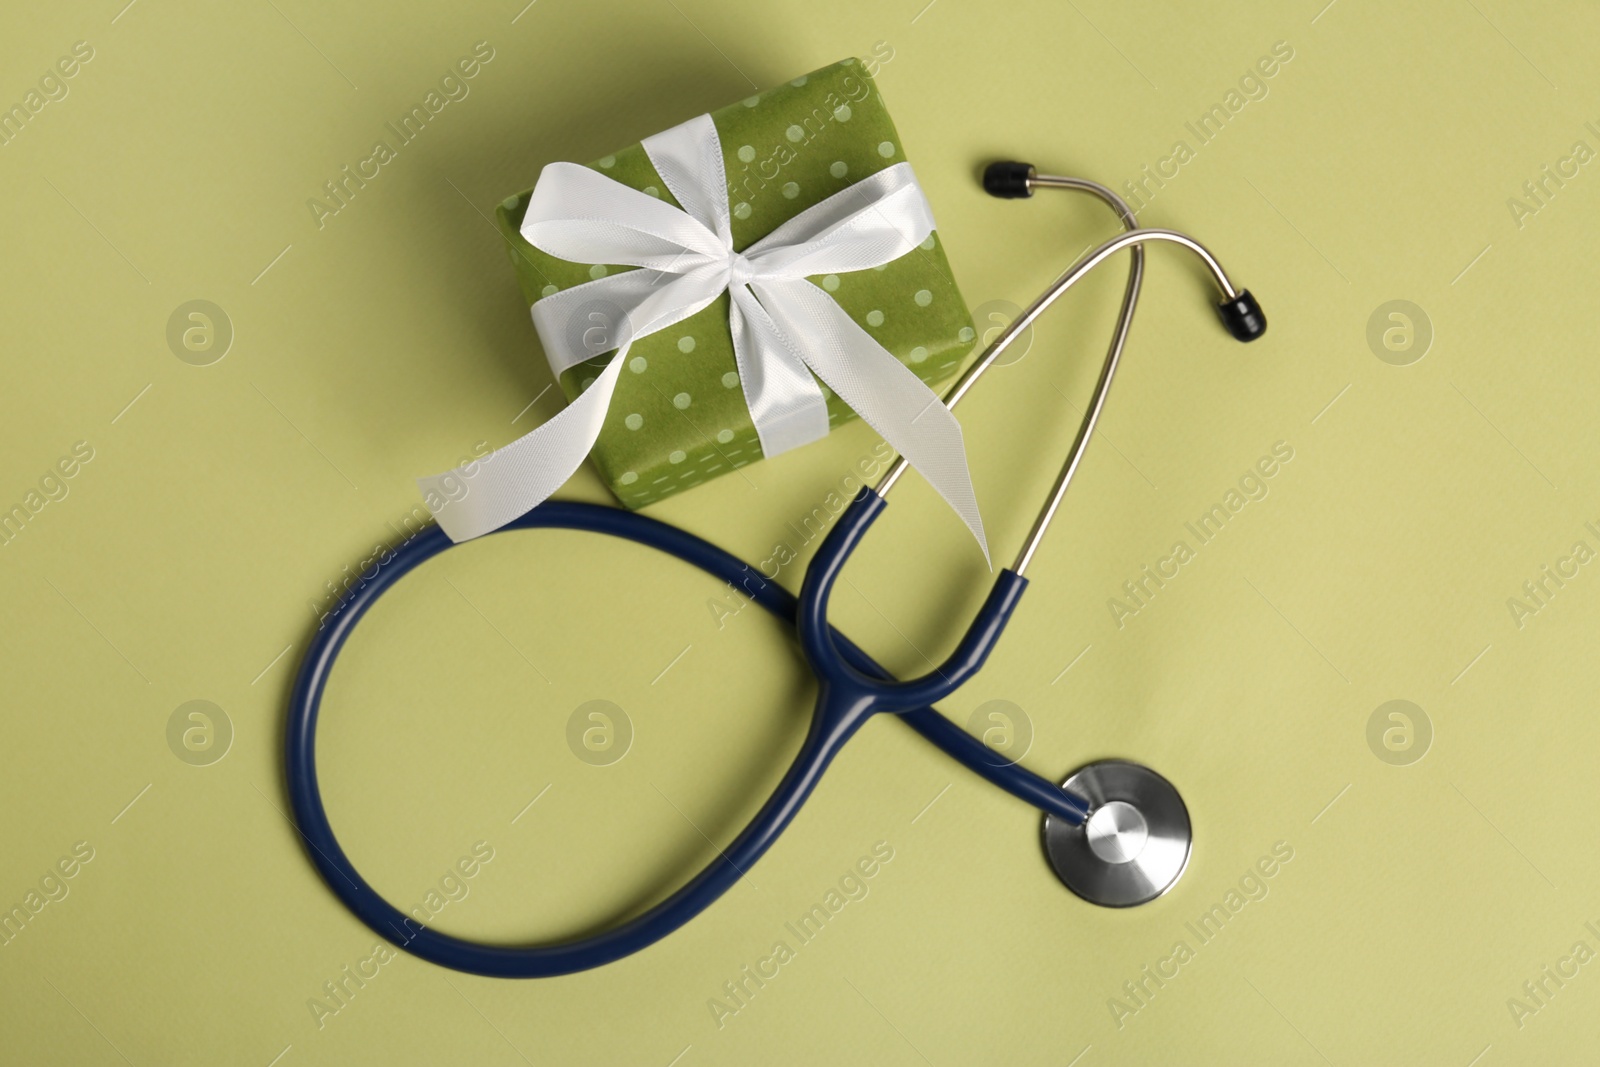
(512, 480)
(880, 389)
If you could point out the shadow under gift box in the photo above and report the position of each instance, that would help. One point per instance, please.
(678, 416)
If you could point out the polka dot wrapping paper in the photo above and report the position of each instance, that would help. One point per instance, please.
(679, 416)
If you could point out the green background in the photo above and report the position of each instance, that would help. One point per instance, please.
(186, 560)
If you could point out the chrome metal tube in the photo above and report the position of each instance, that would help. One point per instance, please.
(1134, 238)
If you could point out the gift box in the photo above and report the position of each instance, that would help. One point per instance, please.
(679, 416)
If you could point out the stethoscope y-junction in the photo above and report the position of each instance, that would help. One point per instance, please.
(1116, 833)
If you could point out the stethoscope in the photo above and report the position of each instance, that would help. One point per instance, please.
(1117, 833)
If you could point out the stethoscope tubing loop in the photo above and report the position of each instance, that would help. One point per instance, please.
(823, 741)
(849, 688)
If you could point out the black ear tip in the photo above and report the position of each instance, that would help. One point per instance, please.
(1008, 180)
(1242, 316)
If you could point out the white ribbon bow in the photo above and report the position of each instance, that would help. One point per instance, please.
(781, 323)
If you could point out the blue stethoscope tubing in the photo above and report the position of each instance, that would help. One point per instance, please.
(852, 689)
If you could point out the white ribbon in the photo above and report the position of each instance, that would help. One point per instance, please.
(784, 328)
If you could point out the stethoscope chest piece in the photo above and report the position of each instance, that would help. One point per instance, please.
(1135, 844)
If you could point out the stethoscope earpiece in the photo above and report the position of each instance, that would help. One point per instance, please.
(1242, 316)
(1008, 180)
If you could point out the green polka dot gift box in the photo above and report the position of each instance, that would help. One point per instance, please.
(678, 415)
